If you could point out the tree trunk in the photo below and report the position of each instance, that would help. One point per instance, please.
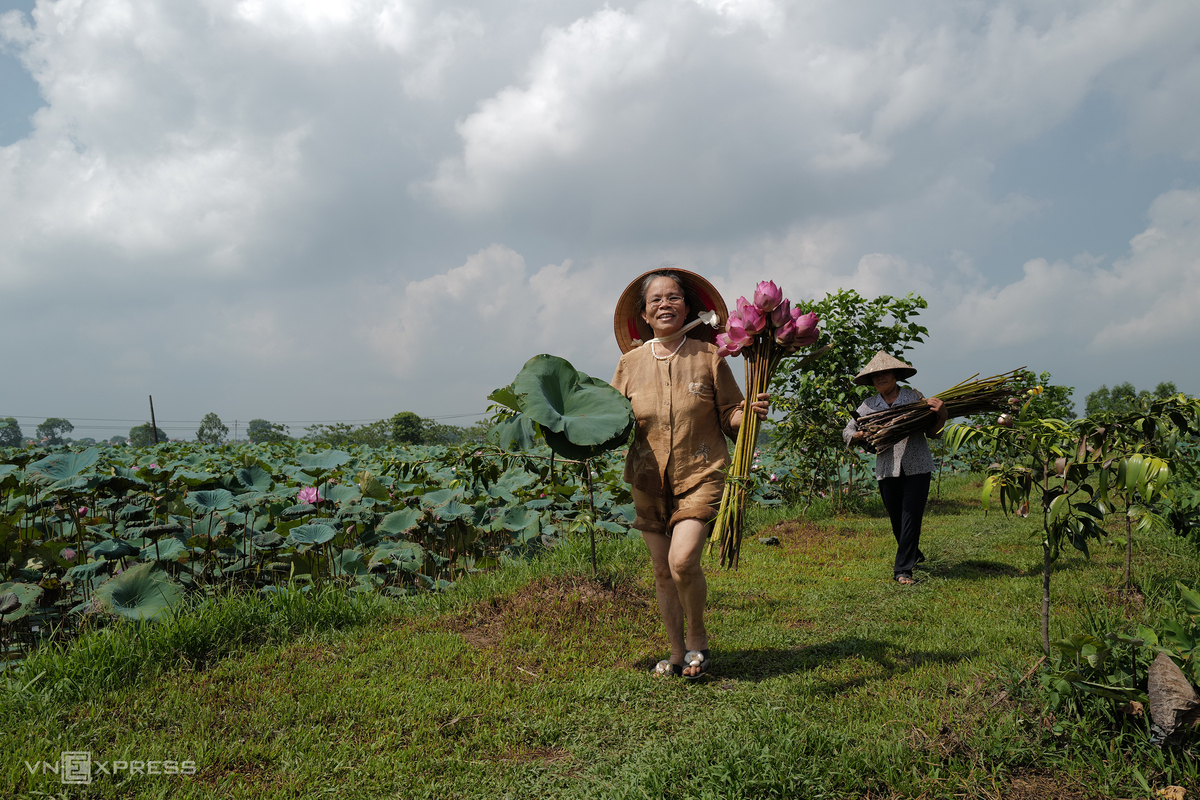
(1047, 563)
(1128, 552)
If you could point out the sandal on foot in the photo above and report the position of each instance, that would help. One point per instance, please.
(667, 669)
(905, 580)
(697, 658)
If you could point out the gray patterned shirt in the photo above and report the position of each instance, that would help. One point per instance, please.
(911, 454)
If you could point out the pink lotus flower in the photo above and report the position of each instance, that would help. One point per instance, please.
(786, 333)
(83, 511)
(752, 318)
(68, 554)
(806, 327)
(154, 466)
(308, 495)
(782, 313)
(774, 478)
(767, 296)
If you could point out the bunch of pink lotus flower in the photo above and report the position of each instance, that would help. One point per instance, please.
(771, 314)
(764, 333)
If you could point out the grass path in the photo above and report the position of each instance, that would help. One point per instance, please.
(830, 681)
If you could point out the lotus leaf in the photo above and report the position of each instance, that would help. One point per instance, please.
(342, 493)
(19, 598)
(516, 518)
(210, 501)
(439, 497)
(514, 433)
(255, 478)
(166, 549)
(322, 462)
(408, 556)
(349, 562)
(195, 478)
(400, 521)
(308, 535)
(370, 486)
(90, 570)
(112, 549)
(267, 541)
(142, 592)
(293, 512)
(61, 467)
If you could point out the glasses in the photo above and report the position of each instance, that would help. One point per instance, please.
(672, 299)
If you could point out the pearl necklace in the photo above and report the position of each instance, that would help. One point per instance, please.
(666, 357)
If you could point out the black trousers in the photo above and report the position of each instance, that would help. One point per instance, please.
(904, 498)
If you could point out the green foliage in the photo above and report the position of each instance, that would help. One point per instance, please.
(53, 429)
(579, 416)
(261, 431)
(816, 401)
(10, 433)
(341, 434)
(211, 430)
(407, 428)
(143, 435)
(1123, 399)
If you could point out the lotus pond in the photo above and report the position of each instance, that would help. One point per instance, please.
(86, 535)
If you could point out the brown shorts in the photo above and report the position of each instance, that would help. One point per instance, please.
(660, 514)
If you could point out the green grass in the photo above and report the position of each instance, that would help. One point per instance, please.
(830, 680)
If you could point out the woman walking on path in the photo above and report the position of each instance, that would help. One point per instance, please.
(904, 469)
(686, 402)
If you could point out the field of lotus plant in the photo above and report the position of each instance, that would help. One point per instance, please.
(134, 532)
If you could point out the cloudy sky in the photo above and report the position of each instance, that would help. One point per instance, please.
(329, 210)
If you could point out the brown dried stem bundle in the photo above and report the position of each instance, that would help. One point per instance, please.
(884, 428)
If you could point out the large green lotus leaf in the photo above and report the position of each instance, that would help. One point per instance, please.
(408, 556)
(516, 433)
(194, 478)
(62, 467)
(342, 493)
(506, 397)
(167, 548)
(307, 535)
(207, 502)
(255, 478)
(440, 496)
(400, 521)
(349, 562)
(322, 462)
(18, 600)
(112, 548)
(587, 411)
(560, 444)
(141, 592)
(88, 571)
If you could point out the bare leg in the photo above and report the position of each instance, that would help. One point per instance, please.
(687, 548)
(669, 608)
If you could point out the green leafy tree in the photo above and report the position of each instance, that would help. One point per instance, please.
(116, 440)
(211, 430)
(262, 431)
(341, 434)
(10, 433)
(1123, 399)
(52, 430)
(817, 401)
(408, 428)
(143, 435)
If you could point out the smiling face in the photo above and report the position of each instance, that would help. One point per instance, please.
(666, 310)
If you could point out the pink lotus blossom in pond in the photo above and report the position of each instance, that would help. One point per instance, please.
(774, 478)
(68, 554)
(767, 295)
(308, 495)
(83, 511)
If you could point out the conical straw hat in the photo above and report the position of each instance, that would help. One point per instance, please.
(882, 362)
(631, 330)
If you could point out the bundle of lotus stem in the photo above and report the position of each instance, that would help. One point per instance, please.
(884, 428)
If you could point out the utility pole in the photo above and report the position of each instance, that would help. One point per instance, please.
(153, 424)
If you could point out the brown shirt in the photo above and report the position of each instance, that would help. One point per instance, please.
(683, 407)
